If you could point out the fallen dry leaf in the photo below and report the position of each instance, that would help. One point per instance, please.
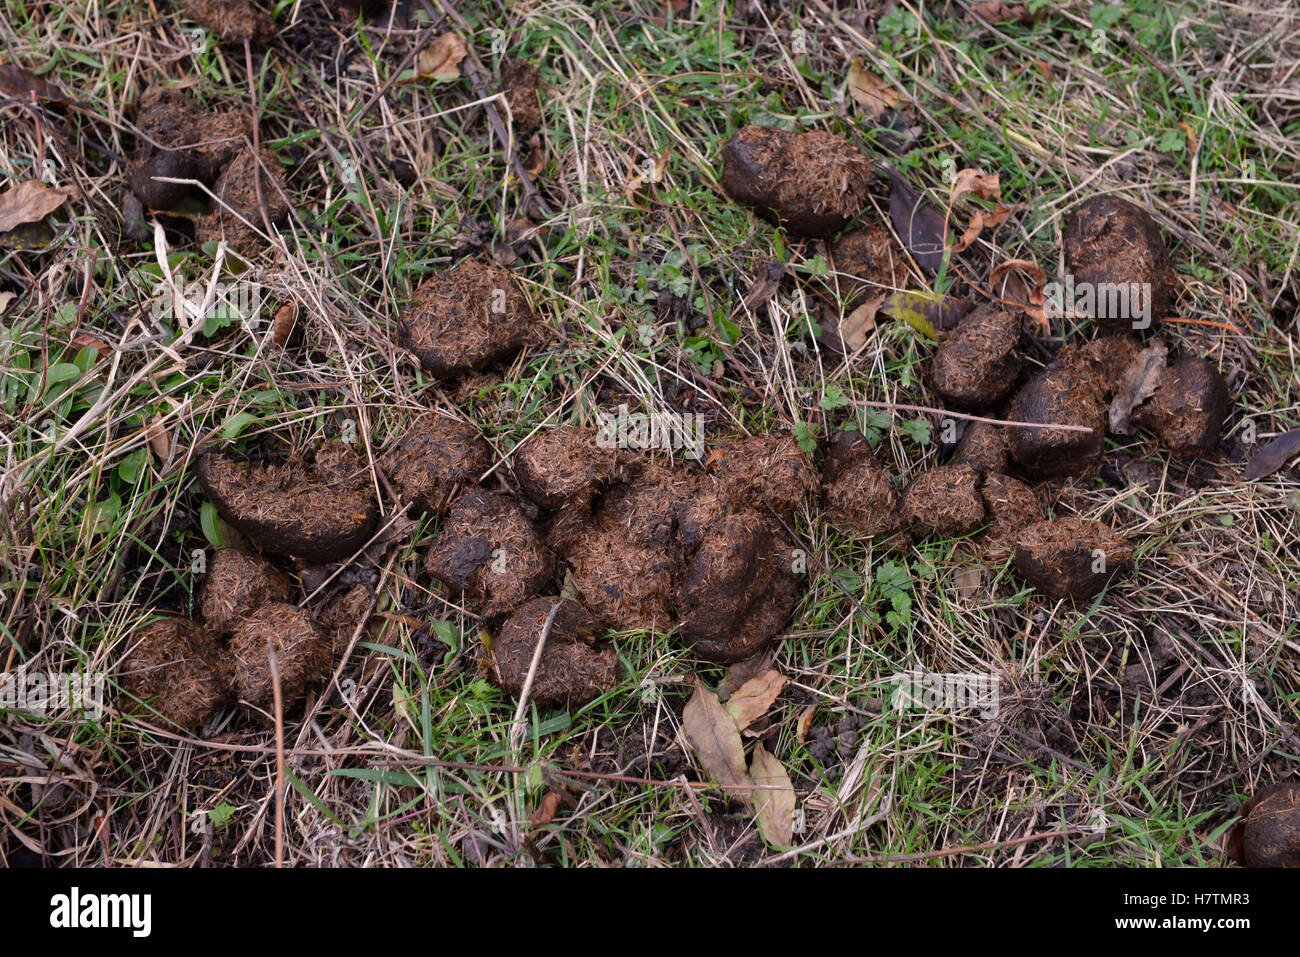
(982, 220)
(545, 812)
(1273, 456)
(5, 299)
(1035, 293)
(1137, 384)
(858, 324)
(969, 581)
(976, 181)
(775, 798)
(83, 339)
(30, 202)
(996, 12)
(927, 312)
(766, 285)
(159, 439)
(871, 92)
(23, 84)
(286, 317)
(742, 671)
(713, 736)
(648, 174)
(804, 722)
(921, 225)
(754, 697)
(986, 186)
(440, 60)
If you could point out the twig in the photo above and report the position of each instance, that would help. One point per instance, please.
(967, 849)
(279, 752)
(973, 418)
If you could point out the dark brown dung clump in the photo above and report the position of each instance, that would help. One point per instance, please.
(182, 141)
(434, 460)
(1071, 391)
(738, 588)
(626, 561)
(230, 20)
(1268, 834)
(811, 183)
(489, 551)
(1011, 505)
(860, 498)
(982, 446)
(341, 612)
(237, 212)
(944, 502)
(319, 509)
(178, 668)
(302, 653)
(1071, 557)
(1111, 354)
(466, 318)
(1111, 243)
(575, 666)
(567, 467)
(763, 471)
(868, 263)
(236, 584)
(975, 365)
(519, 83)
(1188, 408)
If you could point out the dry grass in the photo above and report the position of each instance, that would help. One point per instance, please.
(1129, 727)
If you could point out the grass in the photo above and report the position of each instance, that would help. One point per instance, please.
(1131, 726)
